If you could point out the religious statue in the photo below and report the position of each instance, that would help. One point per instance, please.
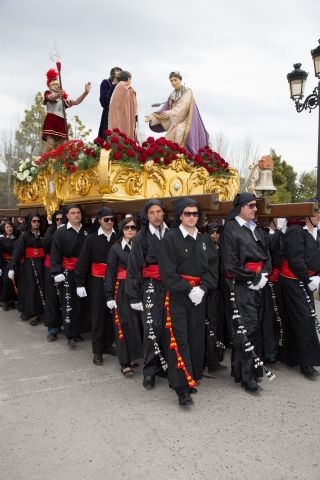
(106, 90)
(55, 129)
(123, 107)
(180, 118)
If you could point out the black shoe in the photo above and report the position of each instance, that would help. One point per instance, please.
(97, 359)
(72, 343)
(111, 351)
(162, 374)
(309, 372)
(192, 390)
(271, 359)
(52, 337)
(250, 386)
(148, 382)
(216, 367)
(34, 321)
(78, 338)
(185, 399)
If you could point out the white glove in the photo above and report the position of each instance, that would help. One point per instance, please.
(59, 278)
(11, 274)
(262, 283)
(0, 272)
(81, 292)
(111, 304)
(196, 295)
(314, 283)
(137, 306)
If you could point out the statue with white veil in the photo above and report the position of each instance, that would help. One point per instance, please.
(180, 118)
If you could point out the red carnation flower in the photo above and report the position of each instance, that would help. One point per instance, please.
(66, 164)
(120, 147)
(150, 151)
(117, 156)
(216, 156)
(116, 130)
(150, 140)
(93, 154)
(167, 161)
(72, 168)
(126, 141)
(98, 141)
(145, 144)
(114, 139)
(123, 135)
(107, 145)
(106, 133)
(160, 151)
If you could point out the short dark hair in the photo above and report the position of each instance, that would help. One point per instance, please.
(124, 76)
(113, 71)
(175, 74)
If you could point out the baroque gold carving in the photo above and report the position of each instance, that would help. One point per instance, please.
(82, 182)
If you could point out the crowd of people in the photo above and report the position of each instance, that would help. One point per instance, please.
(175, 293)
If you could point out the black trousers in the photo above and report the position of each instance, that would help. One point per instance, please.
(52, 311)
(216, 326)
(74, 309)
(153, 320)
(102, 330)
(188, 325)
(301, 342)
(250, 305)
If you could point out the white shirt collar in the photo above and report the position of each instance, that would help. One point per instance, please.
(155, 231)
(244, 222)
(271, 231)
(314, 233)
(124, 243)
(185, 233)
(71, 226)
(101, 232)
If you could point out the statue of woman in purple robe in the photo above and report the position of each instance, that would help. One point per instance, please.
(180, 118)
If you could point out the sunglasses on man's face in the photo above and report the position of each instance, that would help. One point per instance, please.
(35, 221)
(252, 205)
(107, 219)
(58, 219)
(187, 213)
(130, 227)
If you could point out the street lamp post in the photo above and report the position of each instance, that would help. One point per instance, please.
(297, 79)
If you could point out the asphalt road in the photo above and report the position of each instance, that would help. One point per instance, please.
(64, 418)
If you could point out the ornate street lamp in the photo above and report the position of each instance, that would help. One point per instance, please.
(297, 79)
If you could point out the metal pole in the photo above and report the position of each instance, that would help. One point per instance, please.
(318, 164)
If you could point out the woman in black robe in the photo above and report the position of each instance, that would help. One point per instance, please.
(6, 248)
(28, 249)
(52, 313)
(127, 322)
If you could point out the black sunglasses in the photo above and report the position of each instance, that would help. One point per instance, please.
(58, 219)
(129, 227)
(35, 221)
(191, 214)
(107, 219)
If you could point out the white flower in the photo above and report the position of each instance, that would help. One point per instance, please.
(32, 169)
(20, 167)
(29, 179)
(20, 176)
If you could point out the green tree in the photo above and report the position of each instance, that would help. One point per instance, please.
(284, 179)
(77, 129)
(307, 186)
(29, 134)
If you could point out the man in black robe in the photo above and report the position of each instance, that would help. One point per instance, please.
(299, 277)
(65, 250)
(145, 288)
(106, 90)
(246, 261)
(91, 270)
(189, 267)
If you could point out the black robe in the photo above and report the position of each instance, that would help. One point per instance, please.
(95, 250)
(52, 312)
(195, 258)
(67, 243)
(302, 252)
(31, 281)
(106, 91)
(6, 248)
(238, 247)
(151, 293)
(129, 338)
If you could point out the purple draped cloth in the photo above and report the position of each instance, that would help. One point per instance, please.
(198, 136)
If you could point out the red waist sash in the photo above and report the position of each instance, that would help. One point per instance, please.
(194, 281)
(7, 256)
(121, 274)
(98, 269)
(252, 266)
(274, 275)
(32, 252)
(69, 263)
(47, 261)
(151, 271)
(286, 272)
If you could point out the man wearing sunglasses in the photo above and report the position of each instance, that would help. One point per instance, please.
(246, 262)
(65, 250)
(189, 265)
(145, 288)
(90, 270)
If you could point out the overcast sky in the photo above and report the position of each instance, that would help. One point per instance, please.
(233, 54)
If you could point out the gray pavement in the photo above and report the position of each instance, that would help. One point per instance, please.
(64, 418)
